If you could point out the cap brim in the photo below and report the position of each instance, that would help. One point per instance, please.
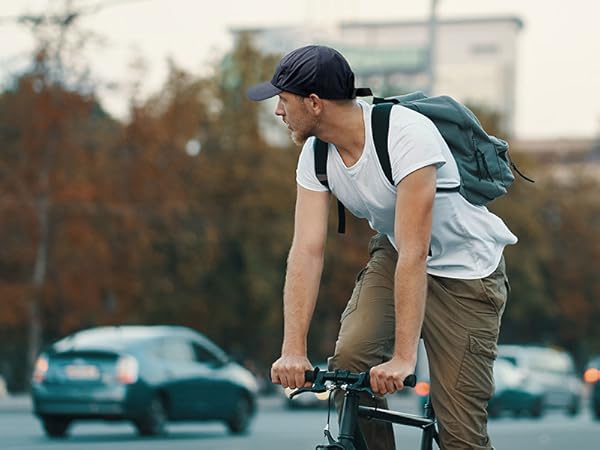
(262, 91)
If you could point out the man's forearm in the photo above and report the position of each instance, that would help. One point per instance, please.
(410, 292)
(299, 298)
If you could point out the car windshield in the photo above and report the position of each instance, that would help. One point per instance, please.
(110, 338)
(551, 361)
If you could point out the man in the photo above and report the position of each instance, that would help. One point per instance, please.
(436, 268)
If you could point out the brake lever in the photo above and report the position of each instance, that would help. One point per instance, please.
(358, 387)
(318, 385)
(310, 389)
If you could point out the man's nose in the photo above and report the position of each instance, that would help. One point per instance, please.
(279, 109)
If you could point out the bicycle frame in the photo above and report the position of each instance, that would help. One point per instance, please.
(350, 438)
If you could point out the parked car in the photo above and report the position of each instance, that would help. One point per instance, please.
(592, 377)
(517, 390)
(551, 371)
(145, 374)
(515, 393)
(308, 399)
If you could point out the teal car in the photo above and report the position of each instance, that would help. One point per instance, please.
(149, 375)
(514, 393)
(548, 371)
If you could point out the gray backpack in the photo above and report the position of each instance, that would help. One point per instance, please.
(486, 171)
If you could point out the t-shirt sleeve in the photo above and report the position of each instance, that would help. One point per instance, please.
(412, 146)
(305, 171)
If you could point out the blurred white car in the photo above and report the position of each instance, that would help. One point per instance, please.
(550, 371)
(514, 392)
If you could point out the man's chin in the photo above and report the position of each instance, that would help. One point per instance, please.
(297, 139)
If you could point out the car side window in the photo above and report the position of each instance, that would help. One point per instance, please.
(205, 356)
(180, 350)
(510, 359)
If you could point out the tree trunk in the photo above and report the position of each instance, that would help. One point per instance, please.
(37, 284)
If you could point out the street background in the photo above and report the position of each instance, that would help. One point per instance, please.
(277, 428)
(139, 186)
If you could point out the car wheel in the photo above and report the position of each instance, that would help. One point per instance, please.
(240, 420)
(537, 410)
(573, 409)
(493, 412)
(154, 421)
(56, 427)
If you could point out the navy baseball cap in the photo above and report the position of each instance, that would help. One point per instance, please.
(314, 69)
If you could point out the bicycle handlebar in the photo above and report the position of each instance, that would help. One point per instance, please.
(359, 380)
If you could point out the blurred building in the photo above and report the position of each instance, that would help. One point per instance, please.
(473, 59)
(560, 159)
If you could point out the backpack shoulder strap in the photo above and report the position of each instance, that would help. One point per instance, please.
(380, 125)
(321, 149)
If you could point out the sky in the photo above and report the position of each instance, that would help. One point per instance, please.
(558, 63)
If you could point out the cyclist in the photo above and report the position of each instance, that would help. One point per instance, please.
(436, 265)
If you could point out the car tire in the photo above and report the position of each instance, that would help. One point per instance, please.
(56, 427)
(239, 422)
(154, 422)
(573, 408)
(493, 412)
(537, 410)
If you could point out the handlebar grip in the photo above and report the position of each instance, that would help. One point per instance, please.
(410, 381)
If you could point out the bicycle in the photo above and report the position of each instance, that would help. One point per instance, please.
(349, 435)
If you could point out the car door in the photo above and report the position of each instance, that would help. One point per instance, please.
(183, 380)
(218, 395)
(193, 387)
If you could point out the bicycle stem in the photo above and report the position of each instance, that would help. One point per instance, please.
(349, 421)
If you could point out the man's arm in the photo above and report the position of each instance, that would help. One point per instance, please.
(412, 229)
(303, 276)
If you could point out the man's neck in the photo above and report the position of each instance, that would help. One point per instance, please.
(346, 130)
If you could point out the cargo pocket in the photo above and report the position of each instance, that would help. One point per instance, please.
(353, 302)
(476, 375)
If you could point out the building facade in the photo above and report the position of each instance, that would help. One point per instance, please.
(473, 59)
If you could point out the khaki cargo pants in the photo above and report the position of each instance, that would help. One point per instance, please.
(460, 332)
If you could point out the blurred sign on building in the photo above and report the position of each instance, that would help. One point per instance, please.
(474, 58)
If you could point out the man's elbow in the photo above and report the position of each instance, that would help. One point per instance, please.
(305, 252)
(413, 256)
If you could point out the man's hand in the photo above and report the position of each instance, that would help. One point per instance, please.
(289, 371)
(388, 377)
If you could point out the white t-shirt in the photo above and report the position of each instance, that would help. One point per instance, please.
(466, 240)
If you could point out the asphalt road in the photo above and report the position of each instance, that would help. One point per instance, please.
(277, 428)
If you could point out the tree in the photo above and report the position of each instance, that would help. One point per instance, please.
(553, 268)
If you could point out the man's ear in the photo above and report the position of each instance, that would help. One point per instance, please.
(314, 103)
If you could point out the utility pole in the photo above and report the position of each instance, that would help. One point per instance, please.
(431, 46)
